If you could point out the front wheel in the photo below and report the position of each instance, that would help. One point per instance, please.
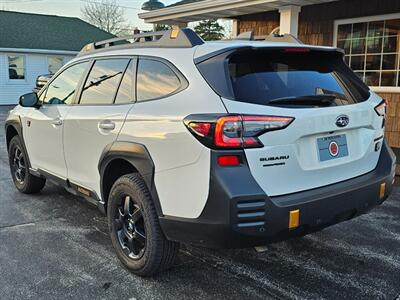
(24, 181)
(135, 230)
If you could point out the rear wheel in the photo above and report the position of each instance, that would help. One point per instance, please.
(135, 230)
(23, 180)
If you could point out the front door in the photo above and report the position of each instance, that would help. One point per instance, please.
(43, 127)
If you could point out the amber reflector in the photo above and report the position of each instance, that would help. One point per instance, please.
(294, 217)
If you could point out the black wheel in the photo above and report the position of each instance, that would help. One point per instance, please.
(135, 230)
(23, 180)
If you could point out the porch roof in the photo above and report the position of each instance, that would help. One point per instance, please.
(216, 9)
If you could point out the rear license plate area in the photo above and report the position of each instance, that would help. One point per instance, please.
(332, 147)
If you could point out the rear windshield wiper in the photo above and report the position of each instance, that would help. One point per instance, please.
(311, 100)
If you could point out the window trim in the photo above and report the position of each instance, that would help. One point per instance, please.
(16, 81)
(184, 83)
(336, 23)
(133, 61)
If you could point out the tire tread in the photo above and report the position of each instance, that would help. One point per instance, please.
(165, 251)
(32, 184)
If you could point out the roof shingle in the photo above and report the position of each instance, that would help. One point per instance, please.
(35, 31)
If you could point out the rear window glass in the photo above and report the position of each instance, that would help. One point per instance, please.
(262, 76)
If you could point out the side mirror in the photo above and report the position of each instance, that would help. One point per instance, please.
(29, 100)
(41, 81)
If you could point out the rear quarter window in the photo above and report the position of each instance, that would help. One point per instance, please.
(155, 79)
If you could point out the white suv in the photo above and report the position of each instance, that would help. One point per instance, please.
(220, 144)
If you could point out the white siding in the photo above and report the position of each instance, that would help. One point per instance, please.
(35, 65)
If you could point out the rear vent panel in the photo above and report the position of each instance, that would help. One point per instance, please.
(250, 214)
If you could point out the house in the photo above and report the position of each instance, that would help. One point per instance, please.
(33, 45)
(367, 30)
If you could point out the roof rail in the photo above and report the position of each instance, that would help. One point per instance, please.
(173, 38)
(284, 38)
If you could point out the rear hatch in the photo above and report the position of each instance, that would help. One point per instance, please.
(337, 127)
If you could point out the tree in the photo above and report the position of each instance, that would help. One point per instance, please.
(210, 30)
(161, 27)
(127, 30)
(106, 15)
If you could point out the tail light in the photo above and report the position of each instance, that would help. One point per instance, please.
(234, 131)
(381, 108)
(202, 129)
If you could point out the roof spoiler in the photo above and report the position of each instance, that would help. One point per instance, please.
(173, 38)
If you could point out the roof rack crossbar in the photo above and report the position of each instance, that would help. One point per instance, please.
(174, 38)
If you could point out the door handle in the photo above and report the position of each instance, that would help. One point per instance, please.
(57, 122)
(107, 125)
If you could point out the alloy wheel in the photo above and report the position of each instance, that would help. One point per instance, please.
(19, 166)
(129, 224)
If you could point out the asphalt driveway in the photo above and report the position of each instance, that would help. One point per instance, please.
(55, 246)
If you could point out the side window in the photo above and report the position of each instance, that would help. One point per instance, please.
(62, 89)
(102, 83)
(155, 80)
(126, 91)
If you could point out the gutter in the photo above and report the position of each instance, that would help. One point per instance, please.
(196, 8)
(39, 51)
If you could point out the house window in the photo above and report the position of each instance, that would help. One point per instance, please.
(372, 49)
(16, 67)
(55, 63)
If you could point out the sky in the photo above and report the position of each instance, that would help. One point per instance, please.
(72, 8)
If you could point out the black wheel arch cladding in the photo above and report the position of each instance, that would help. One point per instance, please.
(15, 125)
(138, 157)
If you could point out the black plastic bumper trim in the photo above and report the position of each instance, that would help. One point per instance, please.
(234, 192)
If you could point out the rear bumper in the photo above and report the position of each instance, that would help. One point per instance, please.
(239, 214)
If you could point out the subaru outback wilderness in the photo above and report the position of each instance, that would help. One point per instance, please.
(219, 144)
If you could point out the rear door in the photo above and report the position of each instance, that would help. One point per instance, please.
(96, 121)
(336, 133)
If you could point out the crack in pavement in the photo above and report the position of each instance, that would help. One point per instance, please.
(17, 225)
(26, 224)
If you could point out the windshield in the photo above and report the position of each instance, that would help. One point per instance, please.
(262, 76)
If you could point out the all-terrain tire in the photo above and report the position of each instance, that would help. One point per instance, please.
(24, 181)
(158, 253)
